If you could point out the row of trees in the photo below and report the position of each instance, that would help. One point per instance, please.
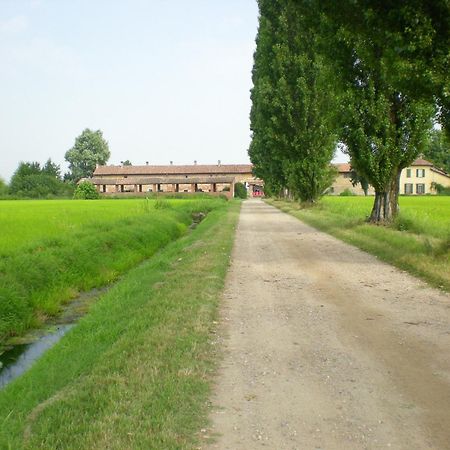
(372, 75)
(32, 180)
(35, 181)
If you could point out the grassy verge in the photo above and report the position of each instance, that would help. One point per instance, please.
(135, 372)
(107, 239)
(418, 242)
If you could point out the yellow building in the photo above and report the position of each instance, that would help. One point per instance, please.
(421, 177)
(417, 179)
(139, 180)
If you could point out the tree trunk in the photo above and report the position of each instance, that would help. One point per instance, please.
(385, 206)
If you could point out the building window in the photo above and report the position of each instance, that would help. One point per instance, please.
(420, 188)
(420, 173)
(408, 188)
(347, 175)
(408, 173)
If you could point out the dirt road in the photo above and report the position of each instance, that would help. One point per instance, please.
(326, 347)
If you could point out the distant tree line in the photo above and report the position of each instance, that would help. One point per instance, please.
(371, 74)
(31, 180)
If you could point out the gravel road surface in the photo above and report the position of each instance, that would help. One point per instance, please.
(325, 347)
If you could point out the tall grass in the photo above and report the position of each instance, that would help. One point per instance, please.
(88, 247)
(418, 241)
(135, 372)
(429, 216)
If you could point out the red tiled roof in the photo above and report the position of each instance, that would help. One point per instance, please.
(173, 169)
(343, 167)
(421, 162)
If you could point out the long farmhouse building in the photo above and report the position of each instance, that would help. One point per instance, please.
(419, 178)
(139, 180)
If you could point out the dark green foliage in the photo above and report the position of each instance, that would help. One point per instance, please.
(90, 149)
(413, 38)
(267, 163)
(292, 113)
(438, 150)
(32, 181)
(86, 191)
(51, 169)
(240, 191)
(127, 163)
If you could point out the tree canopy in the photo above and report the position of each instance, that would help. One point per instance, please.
(90, 149)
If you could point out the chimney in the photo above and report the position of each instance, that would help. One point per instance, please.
(171, 163)
(195, 162)
(219, 162)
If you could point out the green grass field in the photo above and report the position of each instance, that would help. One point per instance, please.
(135, 373)
(51, 250)
(418, 241)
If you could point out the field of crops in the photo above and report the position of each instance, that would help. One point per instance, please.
(51, 250)
(418, 240)
(422, 215)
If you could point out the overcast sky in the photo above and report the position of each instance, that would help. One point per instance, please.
(165, 80)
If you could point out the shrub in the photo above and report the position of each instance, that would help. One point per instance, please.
(240, 191)
(440, 189)
(86, 191)
(347, 193)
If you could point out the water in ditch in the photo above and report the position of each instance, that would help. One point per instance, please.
(18, 356)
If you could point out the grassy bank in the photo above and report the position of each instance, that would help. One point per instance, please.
(419, 240)
(135, 372)
(51, 250)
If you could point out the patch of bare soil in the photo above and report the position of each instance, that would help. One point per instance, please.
(326, 347)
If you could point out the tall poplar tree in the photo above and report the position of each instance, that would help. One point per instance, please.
(305, 102)
(292, 120)
(263, 151)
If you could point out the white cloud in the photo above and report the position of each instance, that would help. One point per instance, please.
(14, 25)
